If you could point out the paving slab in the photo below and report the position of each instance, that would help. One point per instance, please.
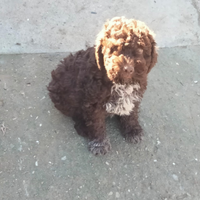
(41, 156)
(67, 25)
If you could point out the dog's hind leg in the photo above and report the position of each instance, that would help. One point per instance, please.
(80, 126)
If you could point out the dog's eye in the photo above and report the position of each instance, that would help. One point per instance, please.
(138, 62)
(139, 52)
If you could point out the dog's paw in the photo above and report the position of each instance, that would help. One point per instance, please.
(134, 136)
(99, 148)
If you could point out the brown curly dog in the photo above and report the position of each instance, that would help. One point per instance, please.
(108, 79)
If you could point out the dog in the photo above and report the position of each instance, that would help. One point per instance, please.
(105, 80)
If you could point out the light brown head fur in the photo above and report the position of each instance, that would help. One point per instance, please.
(126, 49)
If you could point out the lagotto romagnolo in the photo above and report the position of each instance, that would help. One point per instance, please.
(105, 80)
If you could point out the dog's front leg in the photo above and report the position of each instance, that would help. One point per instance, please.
(95, 122)
(132, 131)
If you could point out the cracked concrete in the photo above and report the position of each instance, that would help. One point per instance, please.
(41, 156)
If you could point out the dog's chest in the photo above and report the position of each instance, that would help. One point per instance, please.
(123, 98)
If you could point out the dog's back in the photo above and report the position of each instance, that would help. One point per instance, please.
(66, 89)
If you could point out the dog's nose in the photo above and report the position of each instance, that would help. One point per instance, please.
(129, 69)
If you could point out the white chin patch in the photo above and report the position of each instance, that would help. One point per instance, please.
(122, 99)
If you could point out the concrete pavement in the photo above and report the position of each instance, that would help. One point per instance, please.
(41, 156)
(67, 26)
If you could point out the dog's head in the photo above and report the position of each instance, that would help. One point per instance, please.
(126, 49)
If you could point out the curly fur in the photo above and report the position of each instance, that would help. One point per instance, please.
(123, 98)
(107, 79)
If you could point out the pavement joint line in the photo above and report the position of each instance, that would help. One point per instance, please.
(68, 52)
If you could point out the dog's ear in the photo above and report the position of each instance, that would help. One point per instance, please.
(154, 53)
(99, 55)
